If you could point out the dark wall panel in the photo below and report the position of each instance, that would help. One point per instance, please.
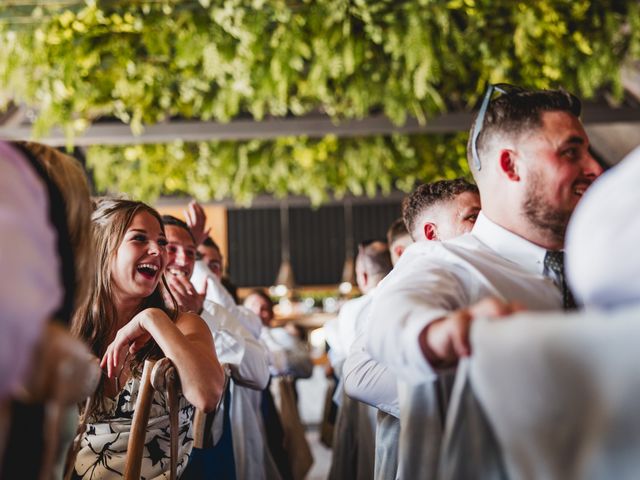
(254, 246)
(317, 242)
(372, 221)
(316, 238)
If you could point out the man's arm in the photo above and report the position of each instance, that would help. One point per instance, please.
(445, 340)
(236, 347)
(417, 292)
(368, 381)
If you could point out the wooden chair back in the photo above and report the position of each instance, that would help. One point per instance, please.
(159, 376)
(162, 376)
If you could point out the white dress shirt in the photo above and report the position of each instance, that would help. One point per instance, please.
(235, 346)
(31, 289)
(432, 279)
(341, 331)
(216, 292)
(365, 379)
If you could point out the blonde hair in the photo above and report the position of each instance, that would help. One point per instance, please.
(69, 176)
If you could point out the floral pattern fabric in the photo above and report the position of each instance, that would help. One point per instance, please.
(103, 449)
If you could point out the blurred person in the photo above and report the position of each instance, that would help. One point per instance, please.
(125, 321)
(289, 360)
(45, 214)
(235, 346)
(30, 257)
(288, 354)
(529, 156)
(210, 254)
(398, 238)
(353, 443)
(434, 211)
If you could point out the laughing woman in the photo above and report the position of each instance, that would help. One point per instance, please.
(126, 321)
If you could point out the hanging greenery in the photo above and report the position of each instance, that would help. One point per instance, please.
(288, 165)
(144, 62)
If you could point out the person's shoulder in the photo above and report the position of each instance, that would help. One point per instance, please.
(435, 253)
(356, 303)
(468, 241)
(191, 318)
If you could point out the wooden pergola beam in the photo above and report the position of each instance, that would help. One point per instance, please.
(313, 126)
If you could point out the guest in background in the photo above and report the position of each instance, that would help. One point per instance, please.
(398, 238)
(354, 433)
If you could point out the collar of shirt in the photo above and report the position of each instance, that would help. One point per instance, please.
(509, 245)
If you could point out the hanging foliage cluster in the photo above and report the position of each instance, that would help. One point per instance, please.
(288, 165)
(144, 62)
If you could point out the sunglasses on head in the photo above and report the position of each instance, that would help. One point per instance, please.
(502, 88)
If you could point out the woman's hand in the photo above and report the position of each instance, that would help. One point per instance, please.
(132, 337)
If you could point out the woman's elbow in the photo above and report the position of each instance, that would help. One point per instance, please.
(206, 396)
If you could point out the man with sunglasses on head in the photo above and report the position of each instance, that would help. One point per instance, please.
(529, 155)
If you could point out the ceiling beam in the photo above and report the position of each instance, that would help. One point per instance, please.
(313, 126)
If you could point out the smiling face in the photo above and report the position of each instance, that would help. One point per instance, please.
(181, 251)
(557, 169)
(140, 258)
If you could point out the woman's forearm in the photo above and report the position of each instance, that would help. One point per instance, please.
(189, 345)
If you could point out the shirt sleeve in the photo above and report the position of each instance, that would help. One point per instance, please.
(368, 381)
(418, 290)
(235, 346)
(31, 290)
(217, 293)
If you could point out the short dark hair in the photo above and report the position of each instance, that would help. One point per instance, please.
(396, 230)
(374, 258)
(176, 222)
(429, 194)
(208, 242)
(518, 111)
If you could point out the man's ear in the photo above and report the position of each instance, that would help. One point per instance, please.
(430, 231)
(398, 250)
(508, 165)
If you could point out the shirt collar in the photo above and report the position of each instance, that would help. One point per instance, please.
(509, 245)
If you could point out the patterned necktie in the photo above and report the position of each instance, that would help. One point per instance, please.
(554, 261)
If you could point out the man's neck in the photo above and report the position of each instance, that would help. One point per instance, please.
(520, 226)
